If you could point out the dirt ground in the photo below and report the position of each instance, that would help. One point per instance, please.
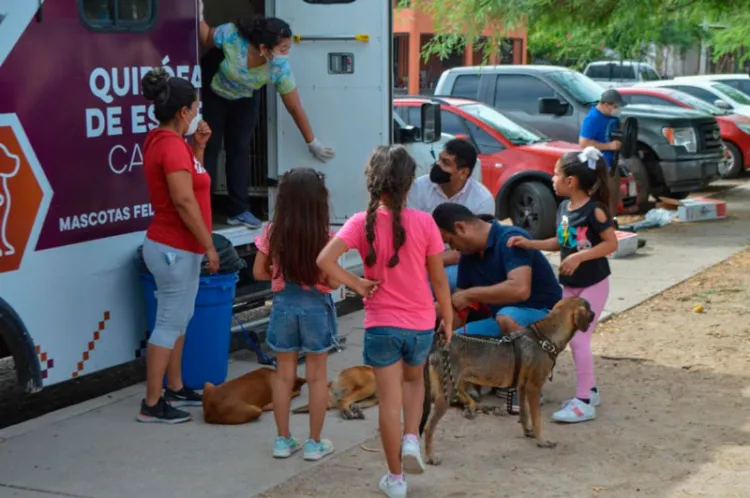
(674, 418)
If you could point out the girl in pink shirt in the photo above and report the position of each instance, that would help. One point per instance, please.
(399, 246)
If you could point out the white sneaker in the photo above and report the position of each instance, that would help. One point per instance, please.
(575, 411)
(392, 489)
(411, 457)
(595, 398)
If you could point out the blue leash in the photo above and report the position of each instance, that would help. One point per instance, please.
(263, 358)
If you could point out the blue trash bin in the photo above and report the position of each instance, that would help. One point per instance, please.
(205, 357)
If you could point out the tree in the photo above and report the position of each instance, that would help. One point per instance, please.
(579, 28)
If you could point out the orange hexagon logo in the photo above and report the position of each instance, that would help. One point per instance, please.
(21, 195)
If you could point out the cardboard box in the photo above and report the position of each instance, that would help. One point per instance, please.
(701, 209)
(627, 244)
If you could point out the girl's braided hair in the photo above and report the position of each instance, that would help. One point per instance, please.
(389, 176)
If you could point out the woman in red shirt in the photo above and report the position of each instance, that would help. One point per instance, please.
(176, 240)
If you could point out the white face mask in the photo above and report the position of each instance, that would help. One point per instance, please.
(616, 112)
(193, 125)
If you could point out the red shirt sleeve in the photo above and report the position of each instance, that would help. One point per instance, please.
(435, 244)
(262, 242)
(353, 232)
(176, 155)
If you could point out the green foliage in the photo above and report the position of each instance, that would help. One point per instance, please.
(579, 30)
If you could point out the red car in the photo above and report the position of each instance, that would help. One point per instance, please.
(734, 128)
(517, 162)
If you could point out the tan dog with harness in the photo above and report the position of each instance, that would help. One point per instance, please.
(524, 359)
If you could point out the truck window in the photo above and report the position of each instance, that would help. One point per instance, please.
(117, 15)
(742, 85)
(610, 72)
(452, 124)
(414, 116)
(660, 101)
(485, 143)
(700, 93)
(598, 71)
(327, 2)
(648, 74)
(518, 92)
(402, 112)
(467, 85)
(645, 100)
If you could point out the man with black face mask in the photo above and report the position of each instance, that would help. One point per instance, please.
(450, 181)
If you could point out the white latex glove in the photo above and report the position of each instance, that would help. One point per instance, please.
(319, 151)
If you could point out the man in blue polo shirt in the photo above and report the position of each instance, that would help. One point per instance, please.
(518, 286)
(596, 131)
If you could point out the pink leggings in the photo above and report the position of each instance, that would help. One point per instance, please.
(597, 296)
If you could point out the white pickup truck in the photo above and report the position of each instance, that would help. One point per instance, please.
(611, 74)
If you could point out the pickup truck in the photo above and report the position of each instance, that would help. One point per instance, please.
(678, 150)
(610, 74)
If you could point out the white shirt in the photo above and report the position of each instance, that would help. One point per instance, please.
(426, 196)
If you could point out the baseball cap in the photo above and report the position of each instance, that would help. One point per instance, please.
(613, 97)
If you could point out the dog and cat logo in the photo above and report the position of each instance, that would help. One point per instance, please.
(573, 237)
(21, 193)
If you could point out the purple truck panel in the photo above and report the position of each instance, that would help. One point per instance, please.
(77, 95)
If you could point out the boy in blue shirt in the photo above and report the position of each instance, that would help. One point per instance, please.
(596, 131)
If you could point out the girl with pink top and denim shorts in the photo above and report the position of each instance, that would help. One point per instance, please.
(303, 317)
(400, 247)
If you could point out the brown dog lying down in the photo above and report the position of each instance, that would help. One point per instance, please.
(243, 399)
(351, 391)
(526, 361)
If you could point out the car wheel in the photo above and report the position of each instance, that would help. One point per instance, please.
(636, 166)
(533, 208)
(734, 164)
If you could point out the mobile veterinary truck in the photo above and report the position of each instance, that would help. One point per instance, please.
(73, 201)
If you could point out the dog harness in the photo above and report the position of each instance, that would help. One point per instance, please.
(542, 340)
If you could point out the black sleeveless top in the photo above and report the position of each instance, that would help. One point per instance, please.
(579, 230)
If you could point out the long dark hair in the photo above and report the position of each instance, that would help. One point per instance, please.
(260, 30)
(389, 175)
(300, 227)
(595, 182)
(169, 94)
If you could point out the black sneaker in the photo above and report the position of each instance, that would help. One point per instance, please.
(183, 397)
(162, 412)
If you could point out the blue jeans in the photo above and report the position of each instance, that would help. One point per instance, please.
(385, 346)
(489, 327)
(302, 320)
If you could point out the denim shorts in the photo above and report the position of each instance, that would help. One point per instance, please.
(302, 320)
(488, 327)
(384, 346)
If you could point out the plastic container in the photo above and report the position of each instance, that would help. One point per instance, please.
(205, 357)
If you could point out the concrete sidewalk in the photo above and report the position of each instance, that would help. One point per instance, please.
(97, 450)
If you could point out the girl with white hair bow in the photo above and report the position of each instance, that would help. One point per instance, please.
(585, 237)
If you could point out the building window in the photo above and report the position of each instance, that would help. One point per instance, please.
(118, 15)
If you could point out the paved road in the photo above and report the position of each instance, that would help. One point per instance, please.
(96, 450)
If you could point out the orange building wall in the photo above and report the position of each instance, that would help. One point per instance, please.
(416, 24)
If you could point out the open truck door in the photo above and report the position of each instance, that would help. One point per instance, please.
(341, 59)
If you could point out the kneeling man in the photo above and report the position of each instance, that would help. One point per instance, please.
(517, 286)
